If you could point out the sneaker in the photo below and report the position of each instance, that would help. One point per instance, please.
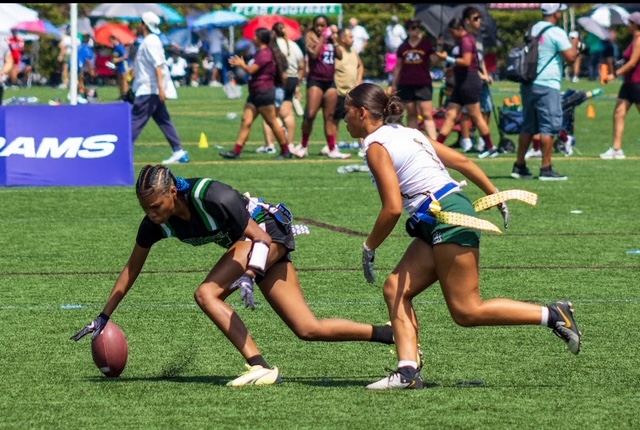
(266, 149)
(325, 150)
(338, 155)
(256, 375)
(300, 151)
(229, 155)
(180, 156)
(480, 145)
(466, 144)
(489, 153)
(566, 327)
(533, 153)
(215, 84)
(575, 79)
(568, 146)
(548, 174)
(613, 154)
(521, 172)
(284, 156)
(397, 380)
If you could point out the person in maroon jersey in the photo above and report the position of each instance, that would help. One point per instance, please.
(467, 86)
(322, 49)
(262, 93)
(412, 77)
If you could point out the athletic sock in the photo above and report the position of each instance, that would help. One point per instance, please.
(536, 144)
(305, 140)
(408, 363)
(237, 149)
(544, 321)
(258, 360)
(382, 334)
(331, 142)
(441, 138)
(563, 136)
(488, 144)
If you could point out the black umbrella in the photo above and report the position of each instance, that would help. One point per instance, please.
(435, 19)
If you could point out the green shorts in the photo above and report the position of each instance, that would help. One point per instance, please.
(439, 232)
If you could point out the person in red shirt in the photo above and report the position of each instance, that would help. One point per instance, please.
(262, 93)
(412, 77)
(16, 46)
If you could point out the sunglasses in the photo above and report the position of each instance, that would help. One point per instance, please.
(414, 27)
(476, 18)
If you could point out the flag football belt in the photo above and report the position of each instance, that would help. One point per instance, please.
(258, 209)
(430, 210)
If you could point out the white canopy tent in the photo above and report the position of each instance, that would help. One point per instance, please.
(12, 14)
(289, 10)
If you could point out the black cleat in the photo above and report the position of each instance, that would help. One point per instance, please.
(565, 326)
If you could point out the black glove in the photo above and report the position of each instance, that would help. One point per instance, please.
(96, 326)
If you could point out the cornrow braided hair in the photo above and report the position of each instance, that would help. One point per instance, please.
(158, 178)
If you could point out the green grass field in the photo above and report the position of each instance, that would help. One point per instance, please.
(61, 250)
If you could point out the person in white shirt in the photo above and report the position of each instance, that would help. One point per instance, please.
(395, 34)
(177, 67)
(217, 42)
(410, 173)
(152, 86)
(360, 35)
(6, 64)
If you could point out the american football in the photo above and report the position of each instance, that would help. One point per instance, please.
(110, 350)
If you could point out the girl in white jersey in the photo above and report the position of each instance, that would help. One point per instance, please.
(410, 173)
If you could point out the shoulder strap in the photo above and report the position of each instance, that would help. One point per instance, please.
(198, 192)
(550, 59)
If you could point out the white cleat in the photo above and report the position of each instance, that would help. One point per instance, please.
(257, 375)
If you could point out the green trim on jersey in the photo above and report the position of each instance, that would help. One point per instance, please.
(198, 193)
(168, 230)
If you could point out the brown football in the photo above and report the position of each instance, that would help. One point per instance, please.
(110, 350)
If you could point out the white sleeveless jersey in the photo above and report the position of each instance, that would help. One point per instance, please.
(414, 159)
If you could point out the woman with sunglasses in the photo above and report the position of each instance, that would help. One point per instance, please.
(467, 87)
(412, 77)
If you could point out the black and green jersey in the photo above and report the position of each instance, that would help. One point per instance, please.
(218, 214)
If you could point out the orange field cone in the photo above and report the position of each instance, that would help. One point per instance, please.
(203, 141)
(591, 112)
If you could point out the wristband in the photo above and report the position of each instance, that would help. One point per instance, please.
(258, 256)
(450, 60)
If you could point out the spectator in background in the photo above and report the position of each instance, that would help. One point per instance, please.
(120, 58)
(578, 63)
(291, 88)
(322, 50)
(86, 64)
(472, 22)
(541, 100)
(412, 77)
(6, 65)
(596, 47)
(192, 55)
(265, 77)
(217, 43)
(177, 67)
(629, 93)
(610, 51)
(395, 34)
(64, 57)
(360, 35)
(16, 45)
(467, 86)
(349, 74)
(152, 87)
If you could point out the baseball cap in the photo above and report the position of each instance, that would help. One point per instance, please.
(394, 18)
(152, 21)
(635, 18)
(574, 35)
(551, 8)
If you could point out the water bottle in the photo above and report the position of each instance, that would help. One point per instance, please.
(594, 93)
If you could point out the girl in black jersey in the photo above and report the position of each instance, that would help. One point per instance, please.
(258, 240)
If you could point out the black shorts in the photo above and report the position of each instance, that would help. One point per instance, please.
(323, 85)
(415, 93)
(264, 98)
(467, 91)
(341, 110)
(290, 88)
(630, 92)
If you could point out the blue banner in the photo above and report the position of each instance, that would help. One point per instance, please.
(82, 145)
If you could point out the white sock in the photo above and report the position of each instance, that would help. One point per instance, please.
(545, 317)
(408, 363)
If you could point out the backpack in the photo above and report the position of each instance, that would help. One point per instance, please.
(522, 61)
